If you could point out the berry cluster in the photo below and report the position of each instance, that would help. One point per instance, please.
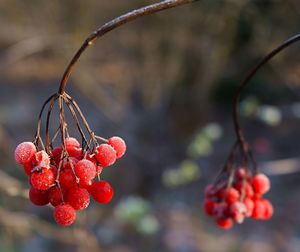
(243, 197)
(64, 177)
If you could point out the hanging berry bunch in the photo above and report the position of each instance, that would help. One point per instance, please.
(239, 189)
(67, 174)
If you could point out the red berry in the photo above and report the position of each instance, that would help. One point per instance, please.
(106, 155)
(42, 180)
(41, 160)
(238, 211)
(246, 188)
(98, 169)
(102, 191)
(209, 207)
(261, 183)
(249, 206)
(76, 153)
(241, 173)
(67, 179)
(221, 210)
(118, 144)
(56, 155)
(224, 223)
(55, 196)
(69, 163)
(259, 209)
(269, 210)
(71, 142)
(209, 190)
(64, 214)
(39, 198)
(24, 152)
(231, 195)
(92, 158)
(78, 198)
(85, 171)
(27, 168)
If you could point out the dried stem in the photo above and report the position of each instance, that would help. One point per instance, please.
(113, 24)
(243, 84)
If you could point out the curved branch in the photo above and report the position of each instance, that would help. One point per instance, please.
(113, 24)
(246, 80)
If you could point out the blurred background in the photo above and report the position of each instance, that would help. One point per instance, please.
(165, 84)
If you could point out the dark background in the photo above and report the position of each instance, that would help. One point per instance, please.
(165, 84)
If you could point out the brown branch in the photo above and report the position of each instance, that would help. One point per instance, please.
(113, 24)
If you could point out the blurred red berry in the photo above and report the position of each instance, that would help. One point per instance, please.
(209, 207)
(245, 187)
(224, 223)
(259, 209)
(261, 183)
(24, 152)
(231, 195)
(269, 210)
(249, 206)
(238, 211)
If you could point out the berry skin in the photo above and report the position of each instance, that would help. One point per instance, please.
(64, 215)
(237, 211)
(24, 152)
(56, 155)
(248, 189)
(98, 169)
(241, 173)
(269, 210)
(85, 171)
(249, 206)
(78, 198)
(67, 179)
(105, 154)
(55, 196)
(209, 207)
(67, 164)
(118, 144)
(221, 211)
(259, 209)
(71, 143)
(261, 184)
(27, 168)
(224, 223)
(231, 195)
(39, 198)
(43, 179)
(41, 160)
(102, 191)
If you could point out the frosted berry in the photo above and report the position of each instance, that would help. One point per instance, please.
(78, 198)
(56, 155)
(69, 163)
(118, 144)
(71, 143)
(102, 191)
(225, 223)
(106, 155)
(41, 160)
(42, 180)
(55, 196)
(24, 152)
(64, 214)
(261, 183)
(85, 170)
(39, 198)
